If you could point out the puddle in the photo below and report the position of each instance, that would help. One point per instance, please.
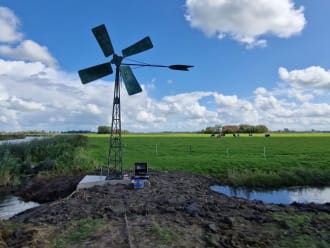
(282, 196)
(11, 205)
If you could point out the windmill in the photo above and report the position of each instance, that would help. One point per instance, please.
(122, 70)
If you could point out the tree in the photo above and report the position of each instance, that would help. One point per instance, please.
(103, 129)
(209, 130)
(261, 129)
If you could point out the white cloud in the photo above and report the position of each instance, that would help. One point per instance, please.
(9, 23)
(314, 77)
(36, 97)
(93, 108)
(29, 50)
(21, 104)
(246, 21)
(13, 46)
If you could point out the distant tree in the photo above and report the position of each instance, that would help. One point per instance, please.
(244, 128)
(218, 128)
(103, 129)
(209, 130)
(215, 129)
(261, 129)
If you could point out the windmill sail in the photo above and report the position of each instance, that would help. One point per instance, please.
(131, 84)
(95, 72)
(138, 47)
(102, 37)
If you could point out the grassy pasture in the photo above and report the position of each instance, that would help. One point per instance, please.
(278, 161)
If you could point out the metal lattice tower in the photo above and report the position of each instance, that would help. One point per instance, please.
(115, 155)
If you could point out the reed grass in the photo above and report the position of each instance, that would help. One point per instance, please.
(62, 154)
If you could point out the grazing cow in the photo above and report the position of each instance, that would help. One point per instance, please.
(212, 135)
(234, 135)
(267, 135)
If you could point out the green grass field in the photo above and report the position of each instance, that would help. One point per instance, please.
(278, 161)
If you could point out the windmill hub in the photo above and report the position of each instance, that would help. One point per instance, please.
(116, 60)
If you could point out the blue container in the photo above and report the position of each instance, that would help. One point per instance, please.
(138, 184)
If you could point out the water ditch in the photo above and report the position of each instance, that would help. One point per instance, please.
(16, 141)
(280, 196)
(11, 205)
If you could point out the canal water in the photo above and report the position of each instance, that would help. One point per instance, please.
(281, 196)
(16, 141)
(11, 205)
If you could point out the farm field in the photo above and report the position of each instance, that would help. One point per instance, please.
(295, 159)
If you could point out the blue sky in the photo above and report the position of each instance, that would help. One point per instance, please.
(256, 62)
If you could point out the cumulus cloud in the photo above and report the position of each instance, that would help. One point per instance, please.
(12, 44)
(246, 21)
(29, 50)
(36, 97)
(314, 77)
(9, 24)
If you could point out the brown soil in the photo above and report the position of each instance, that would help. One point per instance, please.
(176, 210)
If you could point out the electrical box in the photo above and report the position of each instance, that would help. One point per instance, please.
(141, 170)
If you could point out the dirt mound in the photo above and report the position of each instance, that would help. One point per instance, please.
(43, 189)
(175, 210)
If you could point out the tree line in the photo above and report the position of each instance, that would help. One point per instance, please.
(106, 130)
(243, 128)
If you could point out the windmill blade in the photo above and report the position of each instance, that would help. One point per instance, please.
(95, 72)
(102, 37)
(131, 84)
(138, 47)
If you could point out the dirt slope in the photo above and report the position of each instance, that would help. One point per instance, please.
(176, 210)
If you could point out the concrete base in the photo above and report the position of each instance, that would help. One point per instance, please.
(89, 181)
(92, 180)
(118, 181)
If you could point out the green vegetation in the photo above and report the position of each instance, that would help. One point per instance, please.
(298, 231)
(21, 135)
(165, 235)
(60, 154)
(279, 161)
(78, 231)
(4, 136)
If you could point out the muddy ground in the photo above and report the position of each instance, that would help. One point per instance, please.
(176, 210)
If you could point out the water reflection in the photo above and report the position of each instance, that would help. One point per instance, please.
(284, 196)
(11, 205)
(16, 141)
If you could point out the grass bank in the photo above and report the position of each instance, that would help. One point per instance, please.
(62, 154)
(279, 161)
